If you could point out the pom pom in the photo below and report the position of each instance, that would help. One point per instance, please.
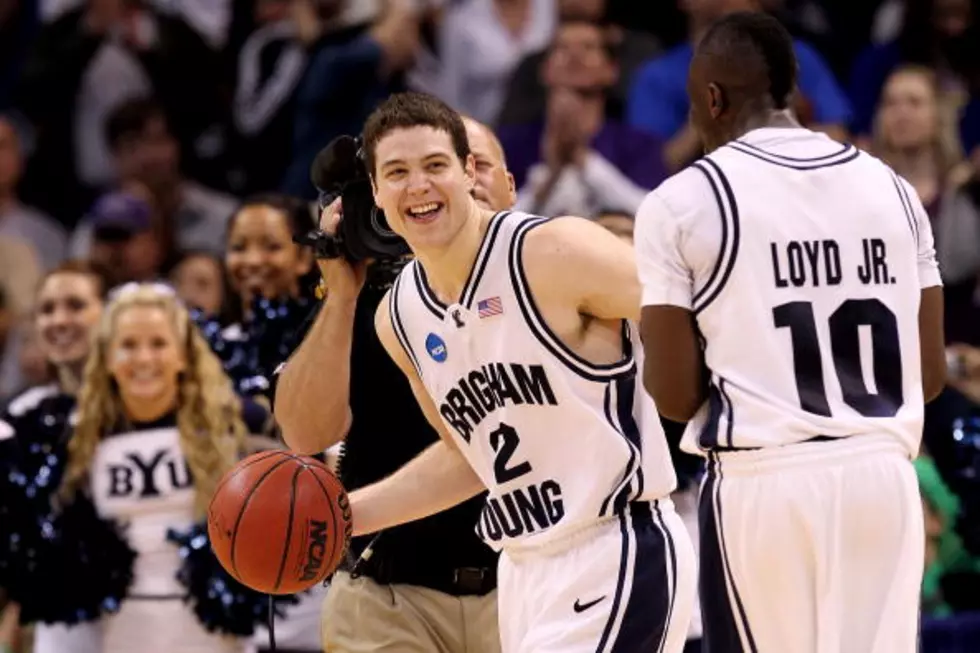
(62, 566)
(251, 356)
(66, 567)
(219, 601)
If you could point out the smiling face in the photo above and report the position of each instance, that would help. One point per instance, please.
(423, 187)
(262, 259)
(145, 357)
(68, 310)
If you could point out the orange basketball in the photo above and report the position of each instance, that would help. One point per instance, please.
(279, 523)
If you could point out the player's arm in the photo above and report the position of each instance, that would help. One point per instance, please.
(673, 366)
(932, 340)
(435, 480)
(581, 263)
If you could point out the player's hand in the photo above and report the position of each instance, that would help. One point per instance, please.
(342, 280)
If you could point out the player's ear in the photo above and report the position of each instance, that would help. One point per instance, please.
(717, 100)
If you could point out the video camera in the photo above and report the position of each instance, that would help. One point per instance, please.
(339, 170)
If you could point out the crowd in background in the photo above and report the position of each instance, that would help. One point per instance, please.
(171, 140)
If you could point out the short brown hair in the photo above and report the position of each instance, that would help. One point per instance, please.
(412, 109)
(82, 267)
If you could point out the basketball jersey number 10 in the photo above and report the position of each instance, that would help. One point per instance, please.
(844, 323)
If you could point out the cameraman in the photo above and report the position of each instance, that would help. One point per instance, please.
(424, 586)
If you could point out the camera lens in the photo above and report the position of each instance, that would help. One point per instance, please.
(379, 224)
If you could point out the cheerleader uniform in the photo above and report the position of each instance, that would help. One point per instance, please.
(140, 479)
(124, 566)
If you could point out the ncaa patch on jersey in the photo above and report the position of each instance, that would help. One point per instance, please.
(436, 347)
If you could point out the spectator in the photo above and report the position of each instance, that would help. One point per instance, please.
(495, 185)
(186, 215)
(352, 67)
(915, 133)
(481, 44)
(526, 96)
(124, 240)
(947, 561)
(48, 238)
(658, 99)
(199, 279)
(268, 68)
(19, 23)
(939, 34)
(577, 160)
(261, 259)
(84, 65)
(69, 303)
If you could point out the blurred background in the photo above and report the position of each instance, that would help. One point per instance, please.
(132, 131)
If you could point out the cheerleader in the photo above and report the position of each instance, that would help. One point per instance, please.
(67, 308)
(271, 283)
(157, 426)
(272, 278)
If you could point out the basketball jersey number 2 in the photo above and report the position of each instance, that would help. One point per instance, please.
(845, 347)
(504, 440)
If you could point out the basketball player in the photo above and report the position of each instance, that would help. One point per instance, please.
(801, 273)
(425, 586)
(513, 332)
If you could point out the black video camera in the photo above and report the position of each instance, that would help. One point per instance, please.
(340, 171)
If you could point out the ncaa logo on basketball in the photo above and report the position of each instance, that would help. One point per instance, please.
(436, 347)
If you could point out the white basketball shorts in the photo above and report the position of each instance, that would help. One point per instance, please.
(627, 586)
(812, 548)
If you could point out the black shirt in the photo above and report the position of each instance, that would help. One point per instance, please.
(389, 430)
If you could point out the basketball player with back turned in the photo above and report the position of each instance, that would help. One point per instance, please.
(800, 274)
(514, 333)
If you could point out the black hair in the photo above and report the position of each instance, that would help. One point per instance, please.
(130, 118)
(611, 49)
(737, 36)
(299, 214)
(299, 218)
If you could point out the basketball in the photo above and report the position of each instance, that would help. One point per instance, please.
(279, 522)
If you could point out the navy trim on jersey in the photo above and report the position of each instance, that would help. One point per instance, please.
(640, 617)
(432, 301)
(726, 629)
(730, 234)
(399, 327)
(844, 148)
(435, 306)
(620, 393)
(903, 197)
(846, 155)
(729, 412)
(719, 405)
(708, 439)
(599, 373)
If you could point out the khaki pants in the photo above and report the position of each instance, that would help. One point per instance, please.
(361, 616)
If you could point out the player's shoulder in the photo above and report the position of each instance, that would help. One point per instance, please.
(558, 238)
(684, 196)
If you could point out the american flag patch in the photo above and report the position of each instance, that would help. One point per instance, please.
(490, 307)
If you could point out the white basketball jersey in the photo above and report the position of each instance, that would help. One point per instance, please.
(559, 442)
(810, 311)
